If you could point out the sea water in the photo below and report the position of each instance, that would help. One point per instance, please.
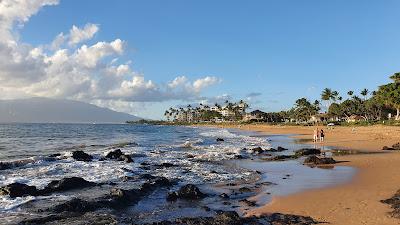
(197, 158)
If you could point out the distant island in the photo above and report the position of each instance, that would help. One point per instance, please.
(46, 110)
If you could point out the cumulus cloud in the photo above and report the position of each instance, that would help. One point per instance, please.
(77, 35)
(70, 68)
(18, 11)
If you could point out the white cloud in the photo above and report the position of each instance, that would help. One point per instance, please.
(202, 83)
(18, 11)
(77, 35)
(69, 68)
(90, 56)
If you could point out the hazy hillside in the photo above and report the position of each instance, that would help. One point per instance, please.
(43, 110)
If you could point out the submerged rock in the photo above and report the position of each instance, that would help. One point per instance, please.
(319, 161)
(307, 151)
(280, 158)
(76, 205)
(81, 156)
(281, 149)
(67, 184)
(18, 190)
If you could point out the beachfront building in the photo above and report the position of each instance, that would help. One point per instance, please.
(204, 113)
(319, 118)
(354, 118)
(255, 115)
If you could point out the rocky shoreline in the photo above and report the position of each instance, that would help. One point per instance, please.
(102, 209)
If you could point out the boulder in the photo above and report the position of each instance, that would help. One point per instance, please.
(307, 151)
(18, 190)
(118, 155)
(114, 154)
(188, 192)
(396, 146)
(125, 196)
(319, 161)
(257, 150)
(81, 156)
(228, 218)
(66, 184)
(394, 202)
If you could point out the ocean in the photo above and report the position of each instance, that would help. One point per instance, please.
(36, 154)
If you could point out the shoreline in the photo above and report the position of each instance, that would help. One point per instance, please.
(354, 202)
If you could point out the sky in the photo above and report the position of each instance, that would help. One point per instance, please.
(141, 57)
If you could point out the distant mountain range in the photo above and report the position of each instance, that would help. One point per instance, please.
(45, 110)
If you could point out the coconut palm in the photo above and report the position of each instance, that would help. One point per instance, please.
(350, 93)
(364, 93)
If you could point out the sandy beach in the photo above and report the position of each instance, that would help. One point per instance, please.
(356, 202)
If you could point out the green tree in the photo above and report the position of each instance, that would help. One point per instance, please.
(389, 94)
(303, 109)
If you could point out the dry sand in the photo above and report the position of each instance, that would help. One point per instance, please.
(353, 203)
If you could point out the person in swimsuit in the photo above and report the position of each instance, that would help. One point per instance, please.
(322, 136)
(316, 131)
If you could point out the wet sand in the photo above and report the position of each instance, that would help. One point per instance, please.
(358, 201)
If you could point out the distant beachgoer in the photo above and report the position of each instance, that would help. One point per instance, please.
(321, 136)
(316, 131)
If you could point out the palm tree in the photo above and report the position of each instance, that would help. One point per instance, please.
(327, 95)
(364, 93)
(334, 96)
(350, 93)
(167, 114)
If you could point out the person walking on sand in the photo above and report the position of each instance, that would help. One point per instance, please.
(322, 136)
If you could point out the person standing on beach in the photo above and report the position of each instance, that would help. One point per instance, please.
(316, 131)
(322, 135)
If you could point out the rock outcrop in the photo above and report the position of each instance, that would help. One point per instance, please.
(81, 156)
(18, 190)
(188, 192)
(314, 160)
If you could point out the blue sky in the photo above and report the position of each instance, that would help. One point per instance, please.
(281, 49)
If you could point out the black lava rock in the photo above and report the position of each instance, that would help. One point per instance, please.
(18, 190)
(66, 184)
(81, 156)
